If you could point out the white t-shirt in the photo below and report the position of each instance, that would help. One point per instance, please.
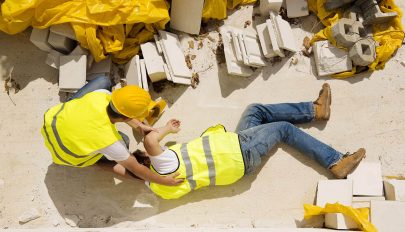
(116, 151)
(165, 163)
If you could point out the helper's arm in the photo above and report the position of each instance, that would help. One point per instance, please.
(152, 139)
(137, 125)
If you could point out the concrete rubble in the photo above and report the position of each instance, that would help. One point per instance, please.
(329, 59)
(29, 215)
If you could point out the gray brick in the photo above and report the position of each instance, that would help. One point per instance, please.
(334, 4)
(347, 32)
(363, 52)
(372, 12)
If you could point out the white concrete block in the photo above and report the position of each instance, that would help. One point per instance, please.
(144, 77)
(267, 5)
(339, 221)
(61, 43)
(64, 29)
(79, 51)
(273, 37)
(394, 190)
(72, 72)
(158, 44)
(297, 8)
(236, 46)
(253, 51)
(181, 80)
(285, 36)
(265, 41)
(332, 191)
(243, 49)
(104, 66)
(52, 59)
(167, 72)
(39, 37)
(388, 216)
(185, 15)
(232, 64)
(367, 179)
(153, 61)
(364, 202)
(133, 73)
(330, 59)
(175, 57)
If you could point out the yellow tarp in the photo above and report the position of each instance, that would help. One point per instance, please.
(388, 35)
(360, 216)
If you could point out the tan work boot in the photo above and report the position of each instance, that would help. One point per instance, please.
(322, 104)
(348, 164)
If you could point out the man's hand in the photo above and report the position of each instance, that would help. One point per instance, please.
(171, 179)
(173, 126)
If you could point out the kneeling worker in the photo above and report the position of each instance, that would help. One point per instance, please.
(80, 131)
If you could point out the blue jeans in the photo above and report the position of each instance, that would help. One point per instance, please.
(263, 126)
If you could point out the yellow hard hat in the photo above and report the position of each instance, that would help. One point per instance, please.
(131, 101)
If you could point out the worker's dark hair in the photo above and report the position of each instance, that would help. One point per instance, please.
(142, 158)
(114, 114)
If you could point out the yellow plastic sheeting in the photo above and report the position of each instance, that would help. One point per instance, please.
(216, 9)
(360, 215)
(102, 26)
(389, 36)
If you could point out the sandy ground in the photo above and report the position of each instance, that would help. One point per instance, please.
(367, 111)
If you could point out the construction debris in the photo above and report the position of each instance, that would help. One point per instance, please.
(72, 73)
(330, 59)
(29, 215)
(153, 61)
(60, 43)
(64, 29)
(186, 15)
(297, 8)
(270, 5)
(39, 37)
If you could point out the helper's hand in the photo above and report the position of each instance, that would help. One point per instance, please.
(173, 125)
(171, 179)
(144, 129)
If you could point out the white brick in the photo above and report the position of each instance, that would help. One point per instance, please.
(388, 216)
(332, 191)
(394, 190)
(265, 41)
(267, 5)
(153, 61)
(61, 43)
(364, 202)
(175, 57)
(144, 77)
(133, 72)
(52, 59)
(72, 72)
(232, 64)
(181, 80)
(253, 51)
(243, 49)
(367, 179)
(158, 44)
(167, 72)
(339, 221)
(64, 29)
(236, 46)
(297, 8)
(273, 37)
(39, 37)
(285, 36)
(185, 15)
(330, 59)
(79, 51)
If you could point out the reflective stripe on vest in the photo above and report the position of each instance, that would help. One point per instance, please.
(213, 159)
(74, 136)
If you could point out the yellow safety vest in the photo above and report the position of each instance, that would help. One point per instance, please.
(74, 131)
(213, 159)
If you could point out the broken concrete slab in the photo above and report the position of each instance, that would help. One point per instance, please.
(394, 190)
(64, 29)
(269, 5)
(144, 77)
(297, 8)
(334, 4)
(153, 61)
(347, 32)
(39, 37)
(174, 55)
(265, 41)
(61, 43)
(185, 15)
(158, 44)
(167, 72)
(362, 52)
(329, 59)
(367, 179)
(339, 221)
(52, 59)
(273, 37)
(253, 52)
(332, 191)
(232, 64)
(372, 12)
(388, 216)
(72, 73)
(285, 36)
(236, 46)
(243, 49)
(133, 72)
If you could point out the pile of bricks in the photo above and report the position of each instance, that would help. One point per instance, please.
(365, 188)
(75, 63)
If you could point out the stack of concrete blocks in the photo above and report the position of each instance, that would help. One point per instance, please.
(135, 73)
(336, 191)
(185, 15)
(297, 8)
(329, 59)
(269, 5)
(72, 72)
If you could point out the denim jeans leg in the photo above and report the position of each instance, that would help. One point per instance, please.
(100, 82)
(258, 141)
(257, 114)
